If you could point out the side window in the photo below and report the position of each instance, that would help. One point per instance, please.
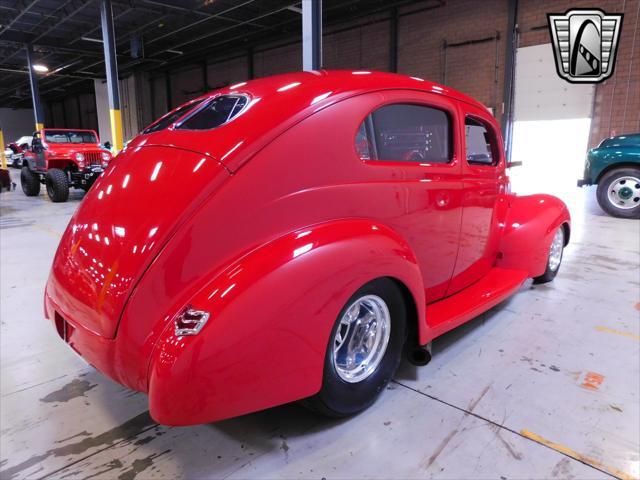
(363, 147)
(407, 133)
(480, 143)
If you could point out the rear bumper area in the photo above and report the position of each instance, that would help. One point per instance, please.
(102, 353)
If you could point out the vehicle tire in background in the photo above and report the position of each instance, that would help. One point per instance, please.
(57, 184)
(364, 350)
(555, 257)
(619, 192)
(30, 182)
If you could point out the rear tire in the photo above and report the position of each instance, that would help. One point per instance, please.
(619, 192)
(339, 397)
(30, 182)
(57, 185)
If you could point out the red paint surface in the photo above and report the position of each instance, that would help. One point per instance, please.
(270, 223)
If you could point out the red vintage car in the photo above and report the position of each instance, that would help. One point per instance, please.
(287, 238)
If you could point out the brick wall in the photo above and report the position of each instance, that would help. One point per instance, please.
(472, 61)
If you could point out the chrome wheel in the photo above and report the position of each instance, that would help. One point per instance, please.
(361, 339)
(624, 192)
(555, 254)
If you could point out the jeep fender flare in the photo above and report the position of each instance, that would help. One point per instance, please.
(271, 314)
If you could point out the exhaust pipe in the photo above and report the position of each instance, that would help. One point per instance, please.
(420, 355)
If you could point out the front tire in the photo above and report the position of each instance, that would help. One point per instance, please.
(364, 350)
(30, 182)
(554, 260)
(619, 192)
(57, 185)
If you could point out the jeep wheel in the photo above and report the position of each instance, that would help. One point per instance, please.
(30, 182)
(364, 350)
(619, 192)
(57, 185)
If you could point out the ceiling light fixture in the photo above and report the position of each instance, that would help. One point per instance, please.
(40, 68)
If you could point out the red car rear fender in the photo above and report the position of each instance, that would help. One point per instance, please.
(530, 224)
(272, 312)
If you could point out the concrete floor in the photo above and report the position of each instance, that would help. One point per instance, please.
(546, 385)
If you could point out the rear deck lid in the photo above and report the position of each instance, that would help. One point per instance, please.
(121, 225)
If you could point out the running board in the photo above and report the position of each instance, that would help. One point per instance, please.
(473, 300)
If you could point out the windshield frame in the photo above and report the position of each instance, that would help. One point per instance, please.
(67, 132)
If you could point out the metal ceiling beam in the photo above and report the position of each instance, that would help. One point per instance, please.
(49, 25)
(194, 11)
(23, 7)
(235, 7)
(219, 31)
(76, 7)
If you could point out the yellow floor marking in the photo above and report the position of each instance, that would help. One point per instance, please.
(577, 456)
(50, 231)
(618, 332)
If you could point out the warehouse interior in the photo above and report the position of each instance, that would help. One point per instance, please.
(543, 385)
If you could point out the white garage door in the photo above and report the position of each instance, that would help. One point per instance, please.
(540, 94)
(551, 125)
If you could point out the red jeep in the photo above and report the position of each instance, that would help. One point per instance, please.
(62, 158)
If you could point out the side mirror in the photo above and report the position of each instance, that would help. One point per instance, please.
(107, 145)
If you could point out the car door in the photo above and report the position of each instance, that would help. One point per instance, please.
(411, 139)
(483, 182)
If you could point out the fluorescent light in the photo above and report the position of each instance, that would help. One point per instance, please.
(177, 52)
(89, 39)
(40, 68)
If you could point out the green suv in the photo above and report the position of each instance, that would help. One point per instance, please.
(614, 166)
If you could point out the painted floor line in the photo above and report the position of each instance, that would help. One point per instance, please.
(34, 386)
(48, 230)
(601, 468)
(619, 332)
(576, 456)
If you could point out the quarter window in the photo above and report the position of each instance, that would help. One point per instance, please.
(219, 111)
(406, 133)
(480, 143)
(171, 117)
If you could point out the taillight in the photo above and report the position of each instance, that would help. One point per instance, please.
(190, 322)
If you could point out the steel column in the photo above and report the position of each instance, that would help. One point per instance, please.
(111, 67)
(3, 159)
(312, 34)
(38, 113)
(509, 74)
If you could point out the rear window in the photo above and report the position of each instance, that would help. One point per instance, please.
(64, 136)
(171, 117)
(219, 111)
(621, 141)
